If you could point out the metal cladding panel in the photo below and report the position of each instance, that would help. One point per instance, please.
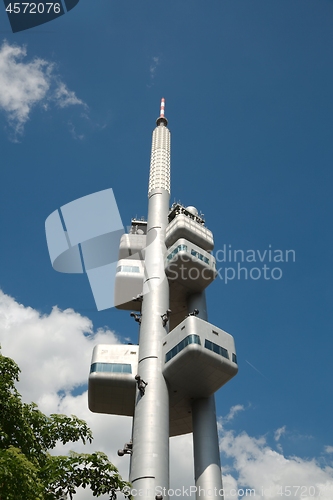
(131, 246)
(183, 226)
(150, 451)
(113, 393)
(190, 265)
(196, 370)
(128, 284)
(178, 303)
(180, 418)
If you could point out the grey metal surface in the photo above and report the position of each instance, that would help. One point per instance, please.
(128, 284)
(207, 465)
(183, 226)
(113, 393)
(190, 265)
(196, 370)
(132, 246)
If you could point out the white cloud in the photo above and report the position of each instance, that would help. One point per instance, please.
(279, 432)
(152, 69)
(272, 475)
(153, 66)
(25, 84)
(54, 352)
(181, 462)
(74, 133)
(65, 97)
(232, 412)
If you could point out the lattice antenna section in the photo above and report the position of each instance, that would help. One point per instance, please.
(159, 176)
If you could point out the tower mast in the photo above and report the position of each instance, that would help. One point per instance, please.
(166, 382)
(150, 455)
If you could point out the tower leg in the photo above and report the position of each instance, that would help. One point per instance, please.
(207, 465)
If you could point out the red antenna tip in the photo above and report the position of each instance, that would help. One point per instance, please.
(161, 118)
(162, 107)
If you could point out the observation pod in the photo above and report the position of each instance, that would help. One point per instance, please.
(130, 268)
(190, 265)
(183, 223)
(111, 386)
(132, 245)
(199, 358)
(128, 284)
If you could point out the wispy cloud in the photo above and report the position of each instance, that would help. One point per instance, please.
(152, 69)
(153, 66)
(25, 84)
(277, 435)
(233, 411)
(76, 135)
(279, 432)
(65, 97)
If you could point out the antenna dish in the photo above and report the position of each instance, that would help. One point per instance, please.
(192, 210)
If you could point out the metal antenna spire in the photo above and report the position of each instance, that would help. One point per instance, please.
(161, 118)
(162, 107)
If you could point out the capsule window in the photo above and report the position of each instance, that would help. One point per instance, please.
(190, 339)
(128, 269)
(111, 368)
(216, 348)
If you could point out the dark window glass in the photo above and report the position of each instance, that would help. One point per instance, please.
(216, 348)
(190, 339)
(224, 353)
(111, 368)
(176, 250)
(128, 269)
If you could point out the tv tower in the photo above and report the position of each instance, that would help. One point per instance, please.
(166, 382)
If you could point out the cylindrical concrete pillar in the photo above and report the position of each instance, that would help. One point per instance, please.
(207, 465)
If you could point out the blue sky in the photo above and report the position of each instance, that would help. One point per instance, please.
(248, 88)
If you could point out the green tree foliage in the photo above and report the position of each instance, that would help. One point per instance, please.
(27, 470)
